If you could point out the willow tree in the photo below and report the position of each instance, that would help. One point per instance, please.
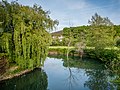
(25, 36)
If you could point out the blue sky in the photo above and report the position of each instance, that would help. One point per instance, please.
(77, 12)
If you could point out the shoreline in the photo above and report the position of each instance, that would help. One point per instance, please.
(10, 76)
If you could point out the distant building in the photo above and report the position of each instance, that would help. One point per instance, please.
(58, 35)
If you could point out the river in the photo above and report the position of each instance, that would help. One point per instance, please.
(59, 73)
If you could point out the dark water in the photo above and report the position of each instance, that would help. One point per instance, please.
(36, 80)
(62, 74)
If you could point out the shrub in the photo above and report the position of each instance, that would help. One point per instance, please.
(105, 55)
(118, 42)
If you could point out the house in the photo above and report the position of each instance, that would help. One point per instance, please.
(57, 35)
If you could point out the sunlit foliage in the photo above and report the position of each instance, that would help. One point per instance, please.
(25, 34)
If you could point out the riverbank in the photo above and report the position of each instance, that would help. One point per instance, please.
(13, 72)
(109, 55)
(89, 51)
(9, 72)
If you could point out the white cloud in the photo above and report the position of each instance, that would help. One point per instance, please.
(76, 4)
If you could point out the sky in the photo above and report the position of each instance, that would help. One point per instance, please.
(72, 13)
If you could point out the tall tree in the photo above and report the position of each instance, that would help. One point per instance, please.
(25, 37)
(101, 32)
(97, 20)
(101, 35)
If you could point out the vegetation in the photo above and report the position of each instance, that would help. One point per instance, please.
(24, 33)
(97, 20)
(24, 37)
(118, 43)
(102, 35)
(60, 50)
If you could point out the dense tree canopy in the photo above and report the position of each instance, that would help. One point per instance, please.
(101, 36)
(24, 33)
(77, 34)
(90, 35)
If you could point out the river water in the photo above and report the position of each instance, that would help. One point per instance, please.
(59, 73)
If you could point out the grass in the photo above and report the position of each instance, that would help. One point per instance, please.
(62, 47)
(72, 47)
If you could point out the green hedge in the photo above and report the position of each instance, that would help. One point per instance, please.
(58, 50)
(110, 57)
(103, 55)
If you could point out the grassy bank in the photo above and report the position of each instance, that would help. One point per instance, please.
(13, 72)
(61, 47)
(72, 47)
(109, 55)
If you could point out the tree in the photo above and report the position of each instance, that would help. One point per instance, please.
(101, 32)
(69, 37)
(97, 20)
(25, 37)
(101, 36)
(76, 36)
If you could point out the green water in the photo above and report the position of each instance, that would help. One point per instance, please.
(61, 74)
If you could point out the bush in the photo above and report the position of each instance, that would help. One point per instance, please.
(118, 42)
(58, 50)
(105, 55)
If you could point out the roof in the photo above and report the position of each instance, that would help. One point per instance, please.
(57, 33)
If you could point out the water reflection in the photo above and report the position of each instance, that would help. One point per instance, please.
(64, 74)
(71, 79)
(99, 80)
(79, 74)
(36, 80)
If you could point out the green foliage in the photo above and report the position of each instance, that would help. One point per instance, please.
(25, 38)
(103, 55)
(101, 36)
(58, 50)
(61, 50)
(109, 56)
(117, 82)
(117, 29)
(97, 20)
(75, 34)
(80, 46)
(91, 35)
(118, 42)
(56, 42)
